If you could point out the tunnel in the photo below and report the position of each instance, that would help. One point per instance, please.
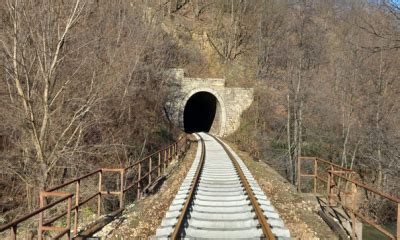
(202, 113)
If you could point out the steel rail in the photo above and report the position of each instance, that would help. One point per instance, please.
(195, 182)
(259, 212)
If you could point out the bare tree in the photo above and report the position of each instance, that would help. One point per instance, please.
(75, 97)
(230, 39)
(34, 55)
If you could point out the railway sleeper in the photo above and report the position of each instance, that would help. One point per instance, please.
(219, 206)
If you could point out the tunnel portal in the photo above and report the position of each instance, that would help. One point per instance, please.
(204, 104)
(201, 113)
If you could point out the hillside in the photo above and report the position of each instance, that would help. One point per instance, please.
(325, 75)
(83, 85)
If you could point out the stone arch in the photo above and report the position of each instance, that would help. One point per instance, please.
(220, 101)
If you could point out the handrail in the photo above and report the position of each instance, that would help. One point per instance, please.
(369, 188)
(153, 154)
(335, 170)
(352, 207)
(164, 157)
(327, 162)
(33, 213)
(248, 143)
(72, 181)
(317, 162)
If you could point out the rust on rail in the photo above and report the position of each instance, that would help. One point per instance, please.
(185, 208)
(259, 212)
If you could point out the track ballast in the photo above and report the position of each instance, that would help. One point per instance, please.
(219, 198)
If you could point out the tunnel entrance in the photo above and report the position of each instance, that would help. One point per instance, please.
(202, 113)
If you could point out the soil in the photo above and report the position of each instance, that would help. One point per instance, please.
(298, 211)
(141, 219)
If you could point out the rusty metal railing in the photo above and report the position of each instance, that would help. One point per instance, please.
(351, 203)
(342, 188)
(147, 174)
(14, 225)
(250, 145)
(319, 171)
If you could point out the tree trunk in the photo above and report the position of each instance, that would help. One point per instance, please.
(290, 164)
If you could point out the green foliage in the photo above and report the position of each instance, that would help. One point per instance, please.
(314, 149)
(2, 220)
(276, 144)
(370, 232)
(164, 133)
(317, 149)
(87, 212)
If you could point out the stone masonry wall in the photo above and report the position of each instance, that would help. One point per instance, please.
(232, 101)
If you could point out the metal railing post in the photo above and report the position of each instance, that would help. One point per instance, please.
(69, 217)
(328, 188)
(99, 196)
(159, 164)
(76, 210)
(186, 142)
(150, 168)
(40, 226)
(138, 181)
(14, 233)
(315, 175)
(166, 158)
(398, 221)
(353, 209)
(176, 148)
(121, 196)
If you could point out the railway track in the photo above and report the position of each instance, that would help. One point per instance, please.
(219, 198)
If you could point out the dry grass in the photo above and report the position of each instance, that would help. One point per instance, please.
(298, 212)
(141, 220)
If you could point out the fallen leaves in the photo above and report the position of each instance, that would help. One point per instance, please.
(142, 220)
(299, 214)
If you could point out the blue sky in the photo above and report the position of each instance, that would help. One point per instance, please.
(397, 2)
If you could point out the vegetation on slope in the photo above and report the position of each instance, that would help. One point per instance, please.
(325, 74)
(82, 83)
(81, 87)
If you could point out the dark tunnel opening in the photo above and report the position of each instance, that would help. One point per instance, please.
(200, 111)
